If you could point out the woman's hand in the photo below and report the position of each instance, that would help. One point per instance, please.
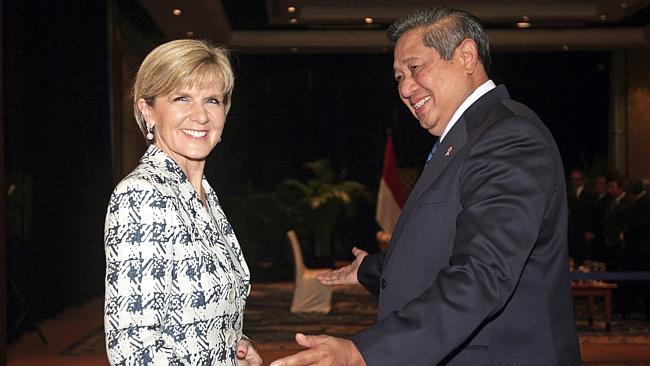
(247, 355)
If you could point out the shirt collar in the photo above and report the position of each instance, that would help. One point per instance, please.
(479, 92)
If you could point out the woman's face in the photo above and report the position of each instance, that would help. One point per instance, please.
(187, 122)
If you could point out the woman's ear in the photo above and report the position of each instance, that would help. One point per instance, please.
(146, 110)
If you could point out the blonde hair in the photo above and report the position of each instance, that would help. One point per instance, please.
(179, 64)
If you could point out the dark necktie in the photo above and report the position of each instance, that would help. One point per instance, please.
(433, 149)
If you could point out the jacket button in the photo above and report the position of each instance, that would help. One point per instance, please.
(231, 296)
(383, 284)
(230, 338)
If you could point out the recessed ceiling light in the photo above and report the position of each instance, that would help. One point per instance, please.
(291, 9)
(294, 49)
(293, 21)
(603, 17)
(177, 12)
(523, 25)
(368, 20)
(565, 47)
(525, 18)
(624, 5)
(189, 34)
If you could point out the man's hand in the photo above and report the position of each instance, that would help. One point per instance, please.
(323, 350)
(345, 275)
(247, 355)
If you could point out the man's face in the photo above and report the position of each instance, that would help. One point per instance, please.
(432, 88)
(601, 185)
(615, 189)
(576, 179)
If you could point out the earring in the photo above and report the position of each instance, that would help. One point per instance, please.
(149, 132)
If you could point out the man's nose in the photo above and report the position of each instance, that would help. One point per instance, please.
(407, 87)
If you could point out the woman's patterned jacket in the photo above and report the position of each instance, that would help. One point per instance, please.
(176, 279)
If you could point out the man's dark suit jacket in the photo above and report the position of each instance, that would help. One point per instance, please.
(477, 269)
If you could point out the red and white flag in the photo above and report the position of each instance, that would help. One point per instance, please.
(390, 199)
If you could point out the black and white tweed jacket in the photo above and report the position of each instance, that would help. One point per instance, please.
(176, 279)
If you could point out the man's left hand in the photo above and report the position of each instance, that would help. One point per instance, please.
(323, 350)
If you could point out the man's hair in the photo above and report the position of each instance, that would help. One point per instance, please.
(444, 30)
(615, 177)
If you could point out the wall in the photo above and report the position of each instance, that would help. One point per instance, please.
(638, 114)
(57, 145)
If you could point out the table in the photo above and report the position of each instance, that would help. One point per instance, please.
(591, 289)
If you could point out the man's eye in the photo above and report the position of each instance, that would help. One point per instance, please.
(398, 78)
(413, 67)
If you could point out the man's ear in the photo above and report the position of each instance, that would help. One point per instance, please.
(146, 110)
(468, 53)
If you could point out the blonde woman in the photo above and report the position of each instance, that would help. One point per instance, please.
(176, 279)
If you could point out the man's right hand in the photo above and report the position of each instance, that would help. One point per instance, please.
(345, 275)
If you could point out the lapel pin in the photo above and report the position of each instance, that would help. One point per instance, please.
(449, 150)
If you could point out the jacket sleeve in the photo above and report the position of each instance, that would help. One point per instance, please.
(370, 271)
(138, 275)
(507, 180)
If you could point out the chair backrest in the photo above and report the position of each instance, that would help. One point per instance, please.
(299, 264)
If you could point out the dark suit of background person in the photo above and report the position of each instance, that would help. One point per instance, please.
(637, 248)
(616, 221)
(601, 202)
(580, 210)
(477, 268)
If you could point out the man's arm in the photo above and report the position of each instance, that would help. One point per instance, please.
(370, 272)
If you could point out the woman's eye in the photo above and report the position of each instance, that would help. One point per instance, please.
(180, 99)
(214, 101)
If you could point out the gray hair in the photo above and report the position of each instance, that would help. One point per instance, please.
(445, 29)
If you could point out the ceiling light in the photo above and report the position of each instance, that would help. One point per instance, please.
(294, 49)
(525, 18)
(603, 17)
(189, 34)
(368, 20)
(523, 25)
(293, 21)
(565, 48)
(291, 9)
(624, 5)
(177, 12)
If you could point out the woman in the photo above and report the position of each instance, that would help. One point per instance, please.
(176, 280)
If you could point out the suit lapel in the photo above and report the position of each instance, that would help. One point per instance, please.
(448, 149)
(476, 117)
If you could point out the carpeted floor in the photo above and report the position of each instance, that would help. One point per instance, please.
(272, 327)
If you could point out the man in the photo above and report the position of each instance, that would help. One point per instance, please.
(616, 223)
(580, 210)
(637, 245)
(477, 268)
(599, 205)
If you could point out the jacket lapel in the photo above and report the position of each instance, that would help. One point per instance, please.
(448, 149)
